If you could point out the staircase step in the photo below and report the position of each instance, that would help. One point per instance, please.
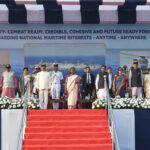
(67, 129)
(67, 123)
(70, 147)
(67, 141)
(61, 112)
(68, 135)
(65, 117)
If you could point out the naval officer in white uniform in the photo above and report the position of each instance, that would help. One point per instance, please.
(34, 76)
(43, 86)
(56, 81)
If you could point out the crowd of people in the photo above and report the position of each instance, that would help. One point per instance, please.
(45, 84)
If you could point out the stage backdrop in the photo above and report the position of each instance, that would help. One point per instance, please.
(66, 55)
(93, 45)
(36, 44)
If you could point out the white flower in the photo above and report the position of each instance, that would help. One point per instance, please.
(18, 105)
(119, 106)
(93, 107)
(14, 106)
(29, 103)
(98, 105)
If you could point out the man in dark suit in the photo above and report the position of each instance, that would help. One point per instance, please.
(88, 83)
(110, 81)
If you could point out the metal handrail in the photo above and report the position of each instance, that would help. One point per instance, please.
(23, 122)
(111, 117)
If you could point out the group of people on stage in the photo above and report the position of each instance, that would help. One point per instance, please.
(43, 82)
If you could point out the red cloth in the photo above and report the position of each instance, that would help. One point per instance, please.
(1, 80)
(115, 76)
(9, 92)
(67, 77)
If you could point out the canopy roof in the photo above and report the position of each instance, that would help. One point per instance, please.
(75, 11)
(78, 2)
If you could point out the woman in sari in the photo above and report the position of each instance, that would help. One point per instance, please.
(120, 83)
(72, 87)
(147, 84)
(25, 83)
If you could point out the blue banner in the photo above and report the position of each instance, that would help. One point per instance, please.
(142, 129)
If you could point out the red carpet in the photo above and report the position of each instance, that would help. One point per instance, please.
(67, 130)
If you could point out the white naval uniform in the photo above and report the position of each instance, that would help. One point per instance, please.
(43, 84)
(34, 83)
(56, 78)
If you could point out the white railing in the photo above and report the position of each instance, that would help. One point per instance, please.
(23, 122)
(111, 117)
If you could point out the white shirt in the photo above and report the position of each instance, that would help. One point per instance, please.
(34, 82)
(8, 79)
(88, 78)
(43, 80)
(27, 79)
(97, 81)
(56, 77)
(110, 80)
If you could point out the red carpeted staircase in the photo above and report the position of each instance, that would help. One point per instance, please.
(67, 130)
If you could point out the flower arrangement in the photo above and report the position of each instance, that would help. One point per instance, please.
(33, 104)
(126, 103)
(5, 102)
(99, 104)
(123, 103)
(18, 103)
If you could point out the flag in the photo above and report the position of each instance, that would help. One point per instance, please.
(133, 128)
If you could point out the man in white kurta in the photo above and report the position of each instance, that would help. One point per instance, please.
(43, 86)
(56, 81)
(8, 82)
